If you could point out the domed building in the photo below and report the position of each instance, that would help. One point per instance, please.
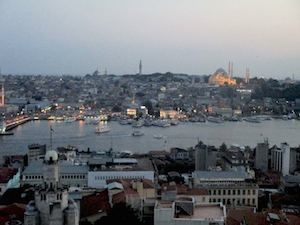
(51, 205)
(220, 77)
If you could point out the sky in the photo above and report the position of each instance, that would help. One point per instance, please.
(77, 37)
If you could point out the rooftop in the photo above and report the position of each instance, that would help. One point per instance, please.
(221, 175)
(207, 212)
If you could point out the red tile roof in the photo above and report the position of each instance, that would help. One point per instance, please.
(15, 211)
(93, 204)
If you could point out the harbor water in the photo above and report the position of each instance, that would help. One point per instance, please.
(184, 135)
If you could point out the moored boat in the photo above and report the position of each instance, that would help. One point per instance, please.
(137, 133)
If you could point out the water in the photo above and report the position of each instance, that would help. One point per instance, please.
(183, 135)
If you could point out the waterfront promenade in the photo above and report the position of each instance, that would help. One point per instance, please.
(16, 121)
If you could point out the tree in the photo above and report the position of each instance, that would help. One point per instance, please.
(223, 147)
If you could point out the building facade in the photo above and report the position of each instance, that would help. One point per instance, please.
(228, 187)
(51, 205)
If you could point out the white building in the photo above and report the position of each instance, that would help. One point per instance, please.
(69, 174)
(229, 187)
(97, 179)
(280, 159)
(184, 211)
(51, 205)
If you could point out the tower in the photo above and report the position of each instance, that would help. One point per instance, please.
(247, 76)
(51, 205)
(201, 157)
(140, 67)
(261, 156)
(2, 90)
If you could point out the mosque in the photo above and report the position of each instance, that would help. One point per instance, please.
(221, 77)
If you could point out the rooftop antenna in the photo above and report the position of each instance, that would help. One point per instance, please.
(51, 131)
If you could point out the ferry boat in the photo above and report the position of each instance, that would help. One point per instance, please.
(102, 129)
(252, 119)
(215, 119)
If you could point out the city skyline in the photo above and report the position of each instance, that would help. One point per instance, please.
(192, 37)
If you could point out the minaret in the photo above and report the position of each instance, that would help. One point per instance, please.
(2, 96)
(140, 67)
(231, 70)
(247, 77)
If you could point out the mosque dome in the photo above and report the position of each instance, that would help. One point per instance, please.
(51, 156)
(221, 71)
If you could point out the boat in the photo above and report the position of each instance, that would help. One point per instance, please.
(215, 119)
(3, 130)
(69, 119)
(252, 119)
(102, 129)
(137, 133)
(137, 123)
(158, 136)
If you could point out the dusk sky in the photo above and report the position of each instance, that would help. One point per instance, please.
(182, 36)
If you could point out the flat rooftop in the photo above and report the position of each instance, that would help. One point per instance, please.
(209, 211)
(205, 212)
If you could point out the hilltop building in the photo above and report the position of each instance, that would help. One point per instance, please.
(220, 77)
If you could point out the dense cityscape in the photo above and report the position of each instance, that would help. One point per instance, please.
(204, 184)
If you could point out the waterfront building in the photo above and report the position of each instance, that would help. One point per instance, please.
(262, 156)
(168, 114)
(234, 160)
(229, 187)
(131, 112)
(201, 157)
(185, 211)
(179, 154)
(280, 159)
(35, 152)
(51, 204)
(205, 158)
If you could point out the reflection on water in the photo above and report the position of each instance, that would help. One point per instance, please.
(183, 135)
